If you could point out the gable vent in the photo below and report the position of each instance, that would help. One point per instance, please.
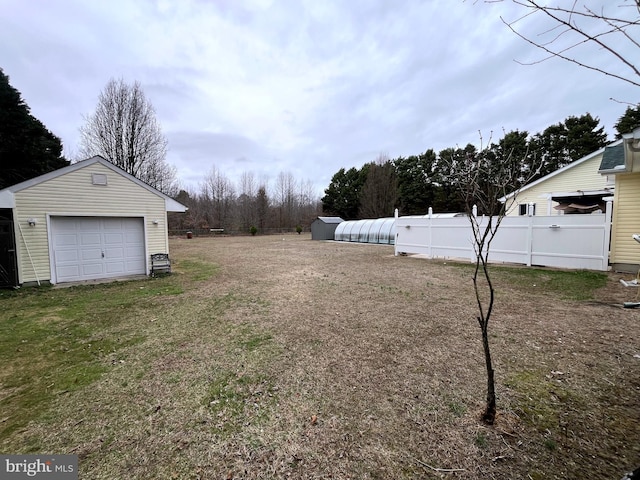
(98, 179)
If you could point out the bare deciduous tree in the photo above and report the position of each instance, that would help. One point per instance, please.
(308, 206)
(482, 178)
(219, 194)
(573, 31)
(285, 198)
(246, 207)
(124, 130)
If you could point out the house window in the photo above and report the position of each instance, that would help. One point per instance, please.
(98, 179)
(523, 208)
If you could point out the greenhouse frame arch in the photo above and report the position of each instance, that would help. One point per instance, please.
(378, 230)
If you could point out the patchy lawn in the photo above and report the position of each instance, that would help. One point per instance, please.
(280, 357)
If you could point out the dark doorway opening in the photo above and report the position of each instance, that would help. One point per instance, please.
(8, 262)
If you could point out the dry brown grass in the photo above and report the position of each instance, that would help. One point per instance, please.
(302, 359)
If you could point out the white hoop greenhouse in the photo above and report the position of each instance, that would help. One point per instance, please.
(379, 230)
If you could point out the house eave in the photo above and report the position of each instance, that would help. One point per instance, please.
(580, 193)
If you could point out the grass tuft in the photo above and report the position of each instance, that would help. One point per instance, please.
(576, 285)
(540, 401)
(198, 270)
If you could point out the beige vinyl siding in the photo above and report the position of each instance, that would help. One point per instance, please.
(626, 220)
(73, 194)
(584, 176)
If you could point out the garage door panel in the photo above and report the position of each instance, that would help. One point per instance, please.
(135, 260)
(135, 265)
(87, 223)
(133, 255)
(114, 253)
(114, 238)
(90, 239)
(115, 267)
(64, 256)
(63, 240)
(92, 269)
(64, 221)
(115, 224)
(68, 271)
(134, 237)
(91, 254)
(86, 248)
(130, 227)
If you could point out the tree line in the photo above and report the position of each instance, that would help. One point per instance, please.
(415, 183)
(249, 204)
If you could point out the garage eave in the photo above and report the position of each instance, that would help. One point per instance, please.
(7, 199)
(173, 206)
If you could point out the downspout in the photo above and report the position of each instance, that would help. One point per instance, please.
(29, 253)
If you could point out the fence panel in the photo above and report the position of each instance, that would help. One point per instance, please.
(577, 241)
(565, 241)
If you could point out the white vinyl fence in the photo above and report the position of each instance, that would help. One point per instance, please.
(564, 241)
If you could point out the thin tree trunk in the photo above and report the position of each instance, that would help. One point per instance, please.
(489, 414)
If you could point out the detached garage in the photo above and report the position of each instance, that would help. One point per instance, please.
(88, 221)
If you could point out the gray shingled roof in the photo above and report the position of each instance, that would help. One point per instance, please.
(612, 158)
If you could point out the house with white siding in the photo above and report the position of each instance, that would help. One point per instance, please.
(90, 220)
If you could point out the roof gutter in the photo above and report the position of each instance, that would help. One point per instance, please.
(632, 140)
(619, 169)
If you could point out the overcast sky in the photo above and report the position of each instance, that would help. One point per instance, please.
(298, 86)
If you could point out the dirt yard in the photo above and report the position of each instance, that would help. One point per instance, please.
(292, 358)
(384, 352)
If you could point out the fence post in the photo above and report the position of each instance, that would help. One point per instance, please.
(529, 239)
(395, 244)
(606, 242)
(430, 233)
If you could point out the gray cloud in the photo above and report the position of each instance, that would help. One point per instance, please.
(303, 87)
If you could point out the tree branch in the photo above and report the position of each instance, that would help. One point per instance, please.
(566, 17)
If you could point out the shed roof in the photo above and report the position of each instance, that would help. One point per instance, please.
(7, 194)
(331, 219)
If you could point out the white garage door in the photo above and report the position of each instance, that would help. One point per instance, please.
(87, 248)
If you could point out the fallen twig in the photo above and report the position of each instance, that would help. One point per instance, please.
(445, 470)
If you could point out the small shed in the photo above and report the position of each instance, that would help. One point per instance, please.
(323, 228)
(87, 221)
